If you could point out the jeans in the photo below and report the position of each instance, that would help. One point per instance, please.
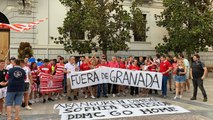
(134, 90)
(100, 88)
(114, 88)
(14, 97)
(180, 79)
(164, 85)
(65, 83)
(198, 82)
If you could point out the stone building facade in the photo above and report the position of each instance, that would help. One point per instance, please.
(44, 47)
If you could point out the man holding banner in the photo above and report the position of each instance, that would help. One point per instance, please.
(70, 68)
(45, 75)
(134, 66)
(113, 64)
(103, 86)
(165, 68)
(84, 67)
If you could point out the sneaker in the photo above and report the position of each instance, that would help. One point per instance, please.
(50, 99)
(175, 97)
(4, 114)
(164, 96)
(69, 99)
(63, 95)
(181, 96)
(205, 100)
(113, 95)
(92, 97)
(86, 97)
(23, 105)
(32, 101)
(124, 94)
(106, 96)
(29, 103)
(56, 98)
(28, 107)
(118, 94)
(60, 98)
(75, 98)
(193, 98)
(37, 100)
(44, 100)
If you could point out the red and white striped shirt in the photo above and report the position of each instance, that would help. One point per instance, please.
(59, 68)
(34, 74)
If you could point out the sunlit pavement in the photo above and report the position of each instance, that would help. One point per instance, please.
(199, 110)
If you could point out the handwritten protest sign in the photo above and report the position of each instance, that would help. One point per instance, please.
(144, 79)
(116, 109)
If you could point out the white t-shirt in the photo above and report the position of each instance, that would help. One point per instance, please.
(70, 68)
(9, 66)
(27, 70)
(186, 63)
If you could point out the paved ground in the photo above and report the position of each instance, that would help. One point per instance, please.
(199, 110)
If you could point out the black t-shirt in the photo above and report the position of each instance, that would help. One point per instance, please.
(141, 63)
(2, 76)
(197, 69)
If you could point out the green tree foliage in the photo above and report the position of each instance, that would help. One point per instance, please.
(105, 22)
(25, 50)
(189, 24)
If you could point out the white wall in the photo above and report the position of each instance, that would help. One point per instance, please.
(55, 12)
(44, 47)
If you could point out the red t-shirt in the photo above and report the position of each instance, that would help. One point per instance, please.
(152, 68)
(99, 65)
(122, 65)
(132, 67)
(174, 66)
(164, 66)
(113, 64)
(59, 68)
(45, 69)
(84, 66)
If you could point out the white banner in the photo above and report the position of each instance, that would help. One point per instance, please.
(116, 109)
(144, 79)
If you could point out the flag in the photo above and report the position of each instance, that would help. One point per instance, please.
(21, 27)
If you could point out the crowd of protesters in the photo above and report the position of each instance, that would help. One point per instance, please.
(20, 79)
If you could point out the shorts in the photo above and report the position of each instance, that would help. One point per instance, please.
(27, 87)
(180, 79)
(3, 92)
(14, 98)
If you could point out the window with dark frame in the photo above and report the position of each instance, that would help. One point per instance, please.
(138, 37)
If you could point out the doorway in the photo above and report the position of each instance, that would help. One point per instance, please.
(4, 46)
(4, 39)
